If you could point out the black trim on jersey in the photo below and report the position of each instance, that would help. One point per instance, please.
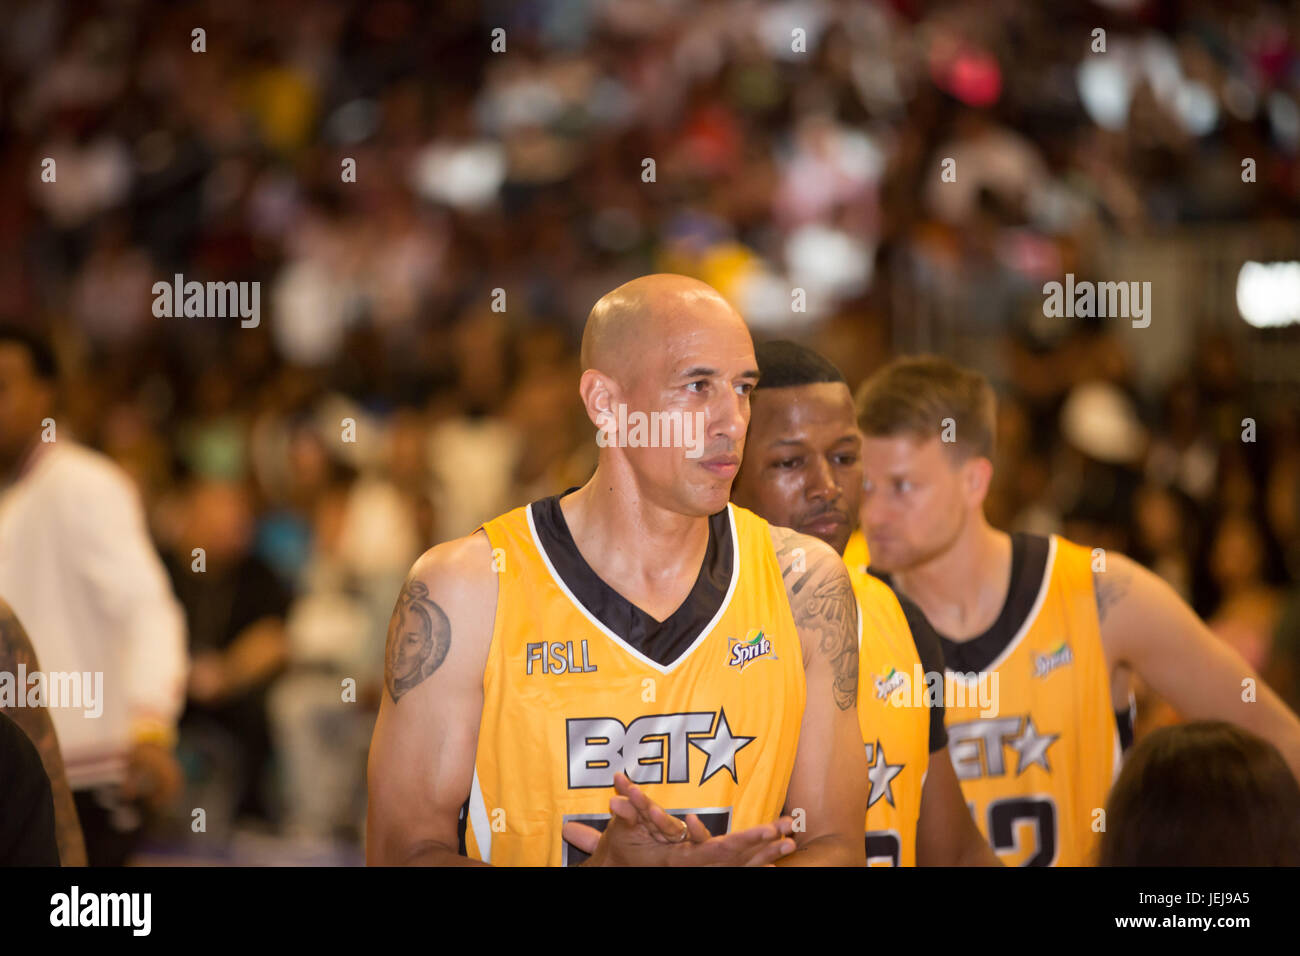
(461, 823)
(1125, 719)
(661, 641)
(1028, 565)
(931, 654)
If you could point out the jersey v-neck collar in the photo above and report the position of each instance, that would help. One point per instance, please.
(1030, 565)
(663, 644)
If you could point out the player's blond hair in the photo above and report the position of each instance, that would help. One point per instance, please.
(918, 396)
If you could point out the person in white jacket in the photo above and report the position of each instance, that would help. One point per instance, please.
(79, 568)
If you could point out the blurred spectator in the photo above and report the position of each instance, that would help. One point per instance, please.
(79, 569)
(235, 607)
(1284, 660)
(1248, 608)
(365, 535)
(1164, 536)
(1203, 794)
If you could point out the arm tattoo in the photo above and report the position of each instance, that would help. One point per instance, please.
(823, 603)
(783, 539)
(1110, 588)
(15, 649)
(419, 635)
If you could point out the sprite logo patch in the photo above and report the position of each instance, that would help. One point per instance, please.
(755, 646)
(1061, 656)
(889, 683)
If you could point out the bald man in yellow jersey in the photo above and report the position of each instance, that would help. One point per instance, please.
(803, 470)
(634, 671)
(1056, 630)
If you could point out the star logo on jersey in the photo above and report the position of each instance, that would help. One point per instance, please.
(721, 748)
(1032, 747)
(755, 647)
(889, 683)
(1044, 664)
(881, 774)
(978, 747)
(655, 748)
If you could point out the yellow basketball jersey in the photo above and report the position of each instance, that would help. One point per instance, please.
(856, 554)
(1035, 772)
(895, 728)
(568, 700)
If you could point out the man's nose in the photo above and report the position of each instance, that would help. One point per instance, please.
(822, 484)
(875, 509)
(730, 417)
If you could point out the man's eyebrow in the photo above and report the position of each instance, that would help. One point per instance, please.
(698, 371)
(703, 371)
(800, 441)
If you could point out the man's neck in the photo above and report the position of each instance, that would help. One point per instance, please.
(962, 590)
(647, 553)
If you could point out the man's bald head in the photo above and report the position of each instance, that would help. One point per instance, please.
(640, 314)
(660, 350)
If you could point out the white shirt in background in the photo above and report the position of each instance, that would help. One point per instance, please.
(79, 568)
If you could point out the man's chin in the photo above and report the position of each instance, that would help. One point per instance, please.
(707, 501)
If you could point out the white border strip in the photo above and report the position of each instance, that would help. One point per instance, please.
(478, 820)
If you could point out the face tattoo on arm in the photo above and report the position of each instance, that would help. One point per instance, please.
(419, 635)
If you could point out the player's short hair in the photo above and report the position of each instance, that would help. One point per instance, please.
(785, 364)
(918, 395)
(1205, 793)
(38, 349)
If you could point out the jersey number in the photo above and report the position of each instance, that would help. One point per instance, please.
(883, 847)
(1005, 814)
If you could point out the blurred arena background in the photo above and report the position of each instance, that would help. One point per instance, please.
(523, 171)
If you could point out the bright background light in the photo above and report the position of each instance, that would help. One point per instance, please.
(1268, 293)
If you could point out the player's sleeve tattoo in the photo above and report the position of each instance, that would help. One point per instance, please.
(419, 635)
(1110, 587)
(824, 607)
(15, 649)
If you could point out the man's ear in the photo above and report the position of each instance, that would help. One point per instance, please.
(977, 474)
(600, 396)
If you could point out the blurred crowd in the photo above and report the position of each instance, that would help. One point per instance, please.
(414, 370)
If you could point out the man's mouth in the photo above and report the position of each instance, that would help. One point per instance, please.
(828, 522)
(723, 466)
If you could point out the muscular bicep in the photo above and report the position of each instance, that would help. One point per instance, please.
(1145, 625)
(422, 752)
(828, 783)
